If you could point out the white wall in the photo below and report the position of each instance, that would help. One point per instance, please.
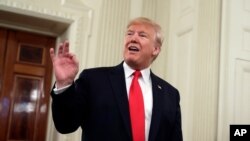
(192, 66)
(235, 66)
(194, 55)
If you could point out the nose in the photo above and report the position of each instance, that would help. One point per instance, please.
(134, 39)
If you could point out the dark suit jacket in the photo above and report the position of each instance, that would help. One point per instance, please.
(98, 103)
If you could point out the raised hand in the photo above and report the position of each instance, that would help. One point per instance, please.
(65, 65)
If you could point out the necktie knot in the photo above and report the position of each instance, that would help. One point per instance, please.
(137, 74)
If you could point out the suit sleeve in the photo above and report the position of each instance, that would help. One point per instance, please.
(177, 135)
(69, 108)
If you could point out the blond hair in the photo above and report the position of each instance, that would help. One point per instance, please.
(156, 27)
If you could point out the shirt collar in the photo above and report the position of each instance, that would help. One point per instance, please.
(129, 71)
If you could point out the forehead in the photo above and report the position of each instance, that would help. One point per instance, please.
(139, 27)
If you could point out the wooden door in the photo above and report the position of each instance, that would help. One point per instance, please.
(25, 80)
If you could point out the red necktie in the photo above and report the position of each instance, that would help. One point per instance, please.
(136, 107)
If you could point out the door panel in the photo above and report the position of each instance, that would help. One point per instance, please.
(3, 111)
(3, 34)
(25, 105)
(25, 91)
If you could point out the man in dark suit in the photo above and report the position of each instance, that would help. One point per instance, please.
(101, 100)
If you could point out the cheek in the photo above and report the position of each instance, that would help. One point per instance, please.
(149, 49)
(125, 43)
(126, 40)
(125, 52)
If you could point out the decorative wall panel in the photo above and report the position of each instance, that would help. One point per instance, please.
(235, 66)
(193, 64)
(112, 27)
(241, 94)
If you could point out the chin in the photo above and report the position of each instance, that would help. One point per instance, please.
(132, 63)
(129, 59)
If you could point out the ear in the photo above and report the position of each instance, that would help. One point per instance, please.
(156, 50)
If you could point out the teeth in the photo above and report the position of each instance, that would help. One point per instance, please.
(133, 48)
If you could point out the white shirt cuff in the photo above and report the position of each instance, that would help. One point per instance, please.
(60, 90)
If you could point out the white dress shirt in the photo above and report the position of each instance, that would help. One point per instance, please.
(146, 87)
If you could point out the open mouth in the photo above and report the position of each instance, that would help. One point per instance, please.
(133, 48)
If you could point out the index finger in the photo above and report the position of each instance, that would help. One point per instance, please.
(52, 53)
(66, 46)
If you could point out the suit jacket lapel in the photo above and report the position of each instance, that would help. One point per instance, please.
(156, 112)
(117, 79)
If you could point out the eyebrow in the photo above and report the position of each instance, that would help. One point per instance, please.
(140, 32)
(130, 30)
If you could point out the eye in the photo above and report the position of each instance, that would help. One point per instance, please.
(129, 33)
(143, 35)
